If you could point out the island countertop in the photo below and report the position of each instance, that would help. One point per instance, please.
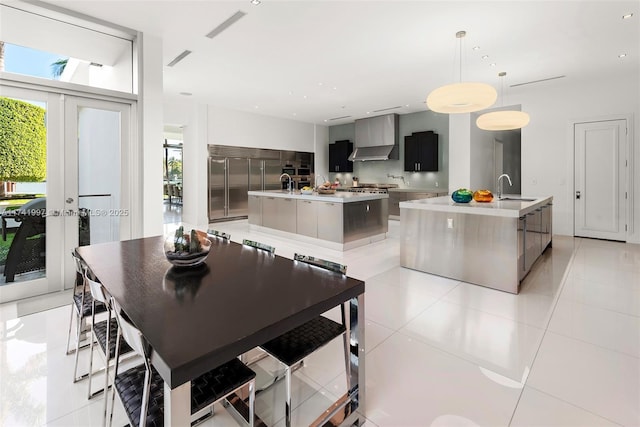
(338, 197)
(502, 208)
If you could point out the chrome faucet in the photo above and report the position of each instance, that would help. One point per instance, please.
(504, 175)
(397, 177)
(290, 185)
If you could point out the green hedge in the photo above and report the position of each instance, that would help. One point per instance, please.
(23, 141)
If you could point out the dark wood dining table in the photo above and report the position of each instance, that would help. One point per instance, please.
(198, 318)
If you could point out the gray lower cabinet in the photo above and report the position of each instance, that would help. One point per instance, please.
(307, 218)
(279, 213)
(537, 231)
(255, 210)
(330, 225)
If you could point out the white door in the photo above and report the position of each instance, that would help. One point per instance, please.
(87, 165)
(30, 245)
(98, 180)
(600, 179)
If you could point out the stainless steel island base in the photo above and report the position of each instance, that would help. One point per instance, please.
(340, 222)
(492, 245)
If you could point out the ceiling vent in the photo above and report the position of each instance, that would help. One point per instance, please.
(387, 109)
(226, 24)
(339, 118)
(539, 81)
(179, 58)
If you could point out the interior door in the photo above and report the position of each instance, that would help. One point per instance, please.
(600, 180)
(97, 173)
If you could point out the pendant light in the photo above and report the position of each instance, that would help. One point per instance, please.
(505, 119)
(461, 97)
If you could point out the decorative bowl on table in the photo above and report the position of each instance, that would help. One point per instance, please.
(186, 247)
(483, 196)
(462, 195)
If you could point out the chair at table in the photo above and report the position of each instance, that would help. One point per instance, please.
(258, 245)
(81, 309)
(104, 333)
(141, 389)
(292, 347)
(219, 234)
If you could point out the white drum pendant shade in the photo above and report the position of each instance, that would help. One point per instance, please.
(503, 120)
(462, 98)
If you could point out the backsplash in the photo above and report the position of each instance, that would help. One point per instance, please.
(378, 171)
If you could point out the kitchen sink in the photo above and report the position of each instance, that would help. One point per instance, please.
(519, 199)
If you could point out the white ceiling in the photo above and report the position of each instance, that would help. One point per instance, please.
(316, 60)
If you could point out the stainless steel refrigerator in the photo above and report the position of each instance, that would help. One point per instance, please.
(230, 179)
(228, 186)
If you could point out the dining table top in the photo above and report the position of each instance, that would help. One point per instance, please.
(197, 318)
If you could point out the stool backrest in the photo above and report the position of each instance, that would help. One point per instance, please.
(258, 245)
(131, 334)
(97, 291)
(219, 234)
(322, 263)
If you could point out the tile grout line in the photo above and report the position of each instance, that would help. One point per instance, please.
(546, 327)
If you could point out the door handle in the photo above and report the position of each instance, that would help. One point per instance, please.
(577, 195)
(69, 200)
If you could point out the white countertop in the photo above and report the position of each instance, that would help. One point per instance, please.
(338, 197)
(504, 208)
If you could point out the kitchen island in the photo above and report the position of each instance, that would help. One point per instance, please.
(337, 221)
(490, 244)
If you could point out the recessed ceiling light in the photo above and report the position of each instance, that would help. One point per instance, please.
(368, 112)
(485, 56)
(335, 88)
(627, 16)
(326, 120)
(406, 105)
(256, 2)
(304, 96)
(290, 92)
(294, 114)
(255, 106)
(622, 55)
(186, 93)
(320, 83)
(476, 48)
(493, 64)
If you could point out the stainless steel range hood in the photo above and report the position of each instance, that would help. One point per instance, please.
(376, 139)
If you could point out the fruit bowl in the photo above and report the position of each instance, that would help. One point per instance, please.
(307, 192)
(326, 191)
(186, 248)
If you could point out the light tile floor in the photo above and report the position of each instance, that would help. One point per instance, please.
(564, 352)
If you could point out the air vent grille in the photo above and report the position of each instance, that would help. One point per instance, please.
(179, 58)
(226, 24)
(387, 109)
(539, 81)
(339, 118)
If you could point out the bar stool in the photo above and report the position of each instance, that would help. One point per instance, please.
(141, 389)
(292, 347)
(81, 309)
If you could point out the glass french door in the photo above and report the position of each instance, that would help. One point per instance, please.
(78, 194)
(97, 185)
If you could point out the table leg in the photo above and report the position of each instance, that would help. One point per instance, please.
(177, 405)
(355, 373)
(350, 408)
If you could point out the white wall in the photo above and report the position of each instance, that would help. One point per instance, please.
(242, 129)
(547, 143)
(150, 119)
(459, 151)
